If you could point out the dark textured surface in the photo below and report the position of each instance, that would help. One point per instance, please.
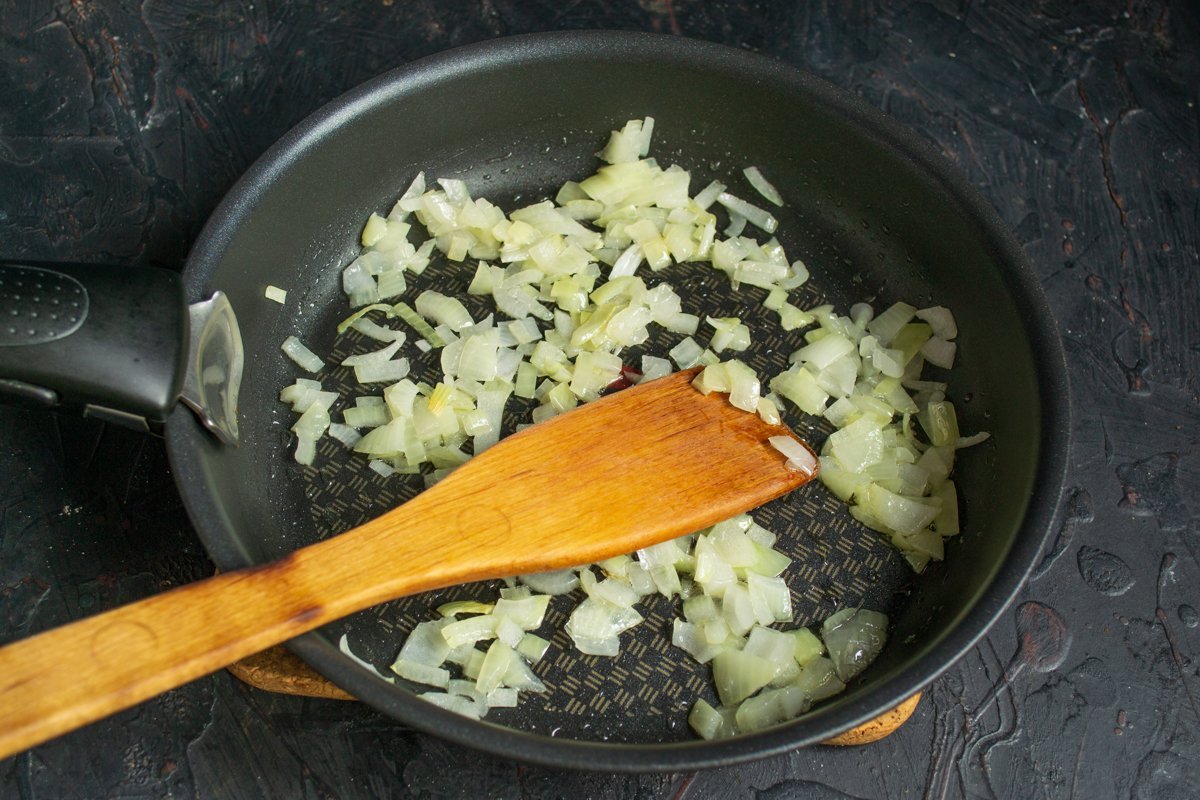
(122, 124)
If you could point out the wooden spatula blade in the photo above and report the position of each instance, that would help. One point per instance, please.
(648, 464)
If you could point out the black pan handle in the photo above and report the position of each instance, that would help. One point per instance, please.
(109, 341)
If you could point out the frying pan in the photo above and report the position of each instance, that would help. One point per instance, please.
(875, 213)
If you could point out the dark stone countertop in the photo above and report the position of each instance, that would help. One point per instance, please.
(123, 123)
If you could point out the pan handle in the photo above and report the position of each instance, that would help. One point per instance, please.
(108, 341)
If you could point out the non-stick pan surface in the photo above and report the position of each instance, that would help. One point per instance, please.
(874, 213)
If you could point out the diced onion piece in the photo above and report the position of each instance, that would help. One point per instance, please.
(737, 224)
(939, 352)
(946, 521)
(527, 612)
(532, 647)
(502, 697)
(940, 423)
(561, 581)
(344, 646)
(972, 440)
(854, 637)
(366, 416)
(457, 607)
(304, 393)
(308, 429)
(654, 367)
(713, 378)
(806, 646)
(465, 706)
(941, 320)
(777, 647)
(897, 512)
(595, 625)
(756, 216)
(708, 195)
(520, 676)
(691, 639)
(494, 667)
(628, 262)
(421, 673)
(739, 674)
(418, 323)
(305, 358)
(801, 387)
(769, 598)
(744, 386)
(762, 185)
(768, 410)
(687, 353)
(824, 351)
(382, 371)
(443, 309)
(276, 294)
(819, 679)
(709, 723)
(885, 326)
(771, 708)
(344, 434)
(374, 230)
(858, 445)
(799, 457)
(425, 644)
(374, 330)
(375, 357)
(470, 630)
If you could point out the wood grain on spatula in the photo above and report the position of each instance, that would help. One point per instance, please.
(639, 467)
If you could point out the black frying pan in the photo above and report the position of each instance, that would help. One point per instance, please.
(872, 210)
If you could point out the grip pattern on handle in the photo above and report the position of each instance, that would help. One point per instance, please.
(39, 305)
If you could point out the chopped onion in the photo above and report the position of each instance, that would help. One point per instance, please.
(887, 325)
(941, 320)
(374, 330)
(854, 638)
(418, 323)
(819, 680)
(756, 216)
(344, 434)
(276, 294)
(709, 723)
(305, 358)
(442, 309)
(561, 581)
(458, 704)
(595, 624)
(799, 457)
(375, 357)
(421, 673)
(762, 185)
(344, 646)
(939, 352)
(382, 371)
(687, 353)
(739, 674)
(566, 274)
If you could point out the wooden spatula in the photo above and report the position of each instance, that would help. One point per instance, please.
(639, 467)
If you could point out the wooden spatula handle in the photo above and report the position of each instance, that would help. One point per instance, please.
(65, 678)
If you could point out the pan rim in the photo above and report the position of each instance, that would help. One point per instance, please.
(1022, 283)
